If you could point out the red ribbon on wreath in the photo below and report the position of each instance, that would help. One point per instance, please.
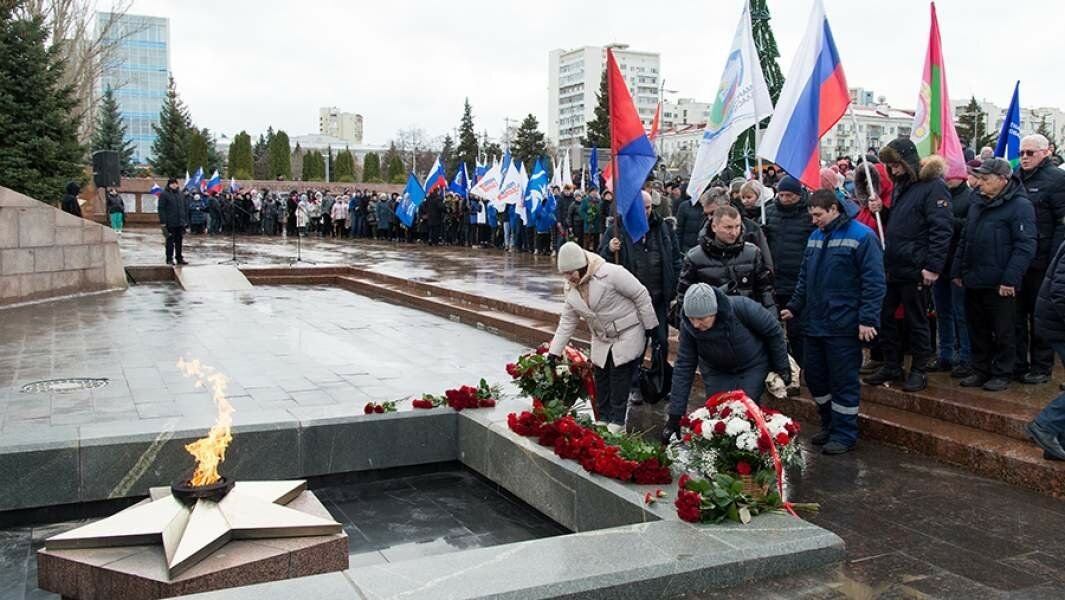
(763, 429)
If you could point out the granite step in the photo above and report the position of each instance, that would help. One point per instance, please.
(957, 405)
(989, 454)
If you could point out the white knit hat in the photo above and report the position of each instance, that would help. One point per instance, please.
(571, 257)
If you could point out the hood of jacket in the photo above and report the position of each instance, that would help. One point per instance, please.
(902, 151)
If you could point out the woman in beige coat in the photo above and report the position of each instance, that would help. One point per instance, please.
(618, 311)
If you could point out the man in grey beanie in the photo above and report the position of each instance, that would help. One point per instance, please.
(734, 341)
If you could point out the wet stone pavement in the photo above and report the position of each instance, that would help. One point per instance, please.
(287, 351)
(522, 278)
(401, 515)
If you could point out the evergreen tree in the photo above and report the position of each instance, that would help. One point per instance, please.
(39, 150)
(972, 126)
(170, 150)
(447, 157)
(314, 166)
(492, 151)
(197, 157)
(110, 132)
(371, 168)
(241, 158)
(260, 155)
(743, 150)
(466, 152)
(280, 157)
(394, 169)
(529, 143)
(345, 166)
(215, 161)
(296, 160)
(1046, 130)
(599, 128)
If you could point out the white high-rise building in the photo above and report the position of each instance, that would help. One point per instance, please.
(343, 125)
(573, 82)
(685, 111)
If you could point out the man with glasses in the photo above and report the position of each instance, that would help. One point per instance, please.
(1045, 185)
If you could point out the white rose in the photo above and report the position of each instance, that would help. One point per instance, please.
(735, 426)
(747, 441)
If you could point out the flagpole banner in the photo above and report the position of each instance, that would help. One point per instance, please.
(413, 196)
(742, 101)
(1009, 139)
(488, 185)
(633, 154)
(813, 100)
(933, 121)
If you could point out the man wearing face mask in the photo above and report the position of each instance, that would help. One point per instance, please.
(619, 313)
(733, 340)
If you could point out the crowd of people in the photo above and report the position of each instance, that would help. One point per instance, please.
(891, 257)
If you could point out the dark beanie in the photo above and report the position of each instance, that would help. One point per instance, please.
(789, 184)
(171, 180)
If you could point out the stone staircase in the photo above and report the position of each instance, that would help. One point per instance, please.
(980, 431)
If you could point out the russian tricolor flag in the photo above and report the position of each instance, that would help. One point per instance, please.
(814, 98)
(633, 153)
(214, 185)
(436, 177)
(156, 190)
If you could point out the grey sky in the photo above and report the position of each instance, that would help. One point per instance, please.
(401, 63)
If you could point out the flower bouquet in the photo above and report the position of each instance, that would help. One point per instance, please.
(379, 407)
(737, 453)
(562, 382)
(467, 396)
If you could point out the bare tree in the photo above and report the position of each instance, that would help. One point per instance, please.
(413, 143)
(89, 46)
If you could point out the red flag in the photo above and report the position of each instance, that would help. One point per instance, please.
(634, 157)
(655, 122)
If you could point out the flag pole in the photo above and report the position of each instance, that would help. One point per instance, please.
(868, 177)
(758, 134)
(613, 155)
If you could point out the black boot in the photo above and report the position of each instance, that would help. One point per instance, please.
(916, 382)
(883, 375)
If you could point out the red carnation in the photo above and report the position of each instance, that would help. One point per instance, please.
(743, 468)
(368, 409)
(719, 427)
(697, 427)
(512, 370)
(687, 438)
(422, 403)
(783, 439)
(725, 412)
(488, 403)
(764, 443)
(377, 408)
(685, 422)
(683, 481)
(541, 350)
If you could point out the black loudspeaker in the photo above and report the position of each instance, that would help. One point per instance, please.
(105, 172)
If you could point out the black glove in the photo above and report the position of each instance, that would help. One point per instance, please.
(651, 333)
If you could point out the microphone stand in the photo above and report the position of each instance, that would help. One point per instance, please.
(233, 235)
(299, 238)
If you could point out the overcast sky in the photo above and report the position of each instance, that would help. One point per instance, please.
(241, 64)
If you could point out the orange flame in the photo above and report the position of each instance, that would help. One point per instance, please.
(210, 451)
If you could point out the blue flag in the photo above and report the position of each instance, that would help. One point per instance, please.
(413, 196)
(593, 168)
(459, 184)
(537, 188)
(479, 171)
(1009, 139)
(194, 183)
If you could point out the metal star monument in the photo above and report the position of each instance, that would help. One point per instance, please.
(190, 533)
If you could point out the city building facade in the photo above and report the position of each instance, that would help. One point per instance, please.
(991, 116)
(344, 125)
(137, 72)
(573, 82)
(685, 111)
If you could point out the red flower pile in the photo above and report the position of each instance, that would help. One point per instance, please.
(688, 505)
(563, 381)
(467, 396)
(573, 441)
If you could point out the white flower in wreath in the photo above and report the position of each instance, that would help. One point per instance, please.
(699, 414)
(735, 426)
(747, 441)
(561, 370)
(708, 428)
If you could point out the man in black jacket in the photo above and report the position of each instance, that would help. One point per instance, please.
(916, 241)
(173, 217)
(996, 247)
(70, 200)
(722, 259)
(690, 219)
(1048, 428)
(787, 229)
(1045, 184)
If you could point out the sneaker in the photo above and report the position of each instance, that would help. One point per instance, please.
(883, 375)
(820, 438)
(961, 371)
(996, 384)
(974, 380)
(871, 366)
(939, 365)
(916, 382)
(835, 447)
(1045, 440)
(616, 428)
(1033, 378)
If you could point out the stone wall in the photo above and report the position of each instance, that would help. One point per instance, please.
(47, 253)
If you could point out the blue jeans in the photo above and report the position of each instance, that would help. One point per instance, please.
(832, 365)
(1052, 418)
(950, 321)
